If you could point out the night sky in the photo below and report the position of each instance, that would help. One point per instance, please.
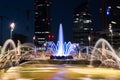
(62, 12)
(15, 11)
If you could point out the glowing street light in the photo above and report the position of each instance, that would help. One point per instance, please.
(89, 39)
(33, 37)
(12, 26)
(111, 31)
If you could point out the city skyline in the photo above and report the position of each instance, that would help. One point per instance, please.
(61, 13)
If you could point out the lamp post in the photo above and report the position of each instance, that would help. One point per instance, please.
(12, 26)
(33, 39)
(89, 39)
(111, 32)
(35, 50)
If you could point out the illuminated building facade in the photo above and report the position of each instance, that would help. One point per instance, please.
(42, 21)
(83, 28)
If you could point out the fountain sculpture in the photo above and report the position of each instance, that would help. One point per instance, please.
(11, 55)
(62, 50)
(101, 52)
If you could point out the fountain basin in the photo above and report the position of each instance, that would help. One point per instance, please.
(61, 57)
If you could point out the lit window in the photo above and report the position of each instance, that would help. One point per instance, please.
(84, 13)
(37, 32)
(91, 29)
(75, 21)
(86, 29)
(77, 14)
(36, 12)
(41, 38)
(48, 23)
(40, 41)
(118, 7)
(108, 10)
(47, 32)
(109, 7)
(43, 19)
(80, 20)
(48, 4)
(87, 21)
(40, 5)
(113, 22)
(76, 18)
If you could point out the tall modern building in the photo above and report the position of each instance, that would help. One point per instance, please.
(110, 12)
(42, 21)
(83, 28)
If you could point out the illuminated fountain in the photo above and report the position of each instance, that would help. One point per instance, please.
(12, 55)
(61, 50)
(101, 52)
(104, 52)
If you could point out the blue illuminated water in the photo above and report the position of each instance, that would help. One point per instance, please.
(60, 42)
(62, 48)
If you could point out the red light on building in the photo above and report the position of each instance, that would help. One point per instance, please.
(49, 36)
(52, 36)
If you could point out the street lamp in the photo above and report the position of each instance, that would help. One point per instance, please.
(111, 32)
(34, 39)
(89, 38)
(35, 49)
(12, 26)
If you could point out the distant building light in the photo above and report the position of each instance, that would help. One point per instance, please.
(36, 12)
(77, 18)
(84, 13)
(91, 29)
(75, 21)
(109, 7)
(100, 10)
(42, 32)
(77, 14)
(87, 21)
(40, 5)
(86, 29)
(108, 13)
(108, 10)
(41, 41)
(48, 4)
(37, 32)
(118, 7)
(47, 32)
(113, 22)
(43, 19)
(41, 38)
(48, 23)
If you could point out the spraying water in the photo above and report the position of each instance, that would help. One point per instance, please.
(60, 42)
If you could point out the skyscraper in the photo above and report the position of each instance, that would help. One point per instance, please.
(42, 21)
(82, 30)
(110, 12)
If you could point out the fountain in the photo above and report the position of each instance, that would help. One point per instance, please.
(104, 52)
(61, 50)
(11, 55)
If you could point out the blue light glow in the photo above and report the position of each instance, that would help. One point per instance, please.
(108, 11)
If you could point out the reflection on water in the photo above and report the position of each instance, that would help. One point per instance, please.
(58, 72)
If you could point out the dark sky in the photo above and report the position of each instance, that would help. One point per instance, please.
(15, 10)
(62, 12)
